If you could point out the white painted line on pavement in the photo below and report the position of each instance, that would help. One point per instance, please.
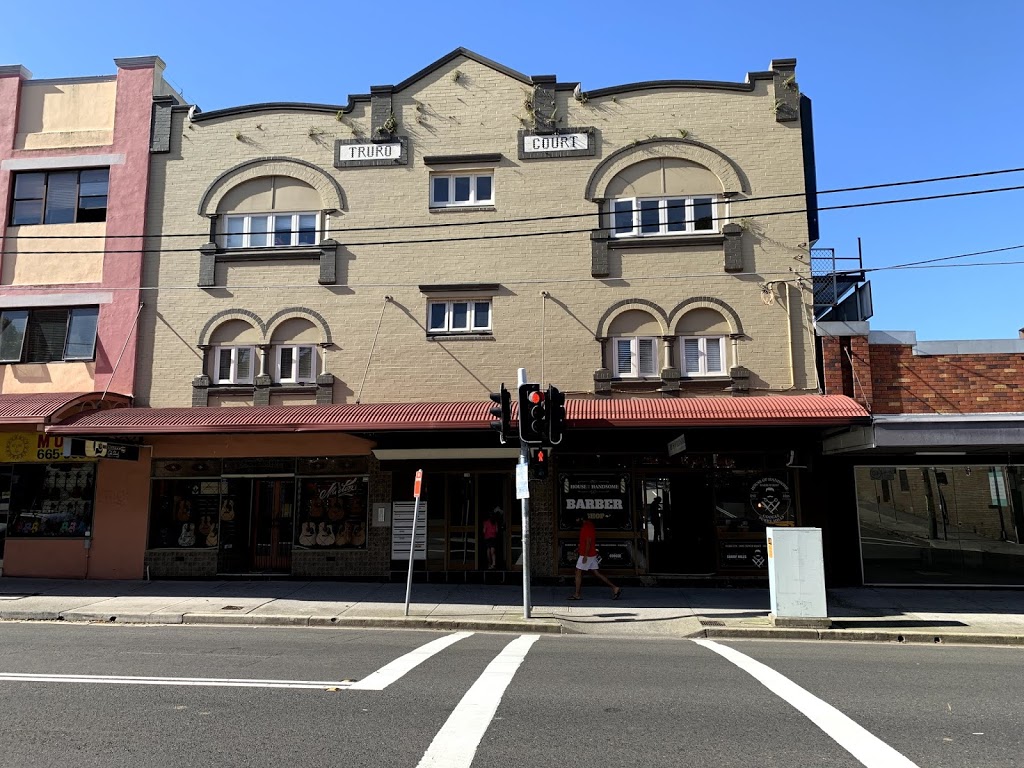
(221, 682)
(387, 674)
(455, 744)
(862, 744)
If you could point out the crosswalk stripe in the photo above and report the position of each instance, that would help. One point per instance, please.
(387, 674)
(859, 742)
(456, 743)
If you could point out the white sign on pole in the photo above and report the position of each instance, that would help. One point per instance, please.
(522, 481)
(401, 530)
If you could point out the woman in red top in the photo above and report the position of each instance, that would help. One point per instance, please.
(587, 560)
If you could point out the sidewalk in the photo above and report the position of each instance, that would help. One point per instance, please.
(891, 615)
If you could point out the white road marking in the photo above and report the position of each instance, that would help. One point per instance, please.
(387, 674)
(455, 744)
(862, 744)
(222, 682)
(376, 681)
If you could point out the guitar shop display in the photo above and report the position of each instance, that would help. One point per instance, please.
(52, 500)
(332, 513)
(187, 514)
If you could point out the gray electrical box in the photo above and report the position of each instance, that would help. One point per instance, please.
(381, 515)
(796, 577)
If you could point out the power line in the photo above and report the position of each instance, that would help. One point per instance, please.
(516, 235)
(553, 217)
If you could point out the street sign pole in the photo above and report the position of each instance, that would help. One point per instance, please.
(524, 470)
(412, 540)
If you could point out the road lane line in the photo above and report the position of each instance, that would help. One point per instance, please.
(389, 673)
(455, 744)
(862, 744)
(221, 682)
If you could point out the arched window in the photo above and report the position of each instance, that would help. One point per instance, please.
(294, 353)
(234, 353)
(270, 212)
(634, 338)
(702, 349)
(665, 196)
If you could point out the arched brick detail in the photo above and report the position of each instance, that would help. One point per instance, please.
(304, 313)
(707, 302)
(226, 315)
(625, 305)
(725, 169)
(331, 195)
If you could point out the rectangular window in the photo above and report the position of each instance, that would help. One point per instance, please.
(635, 357)
(296, 364)
(48, 335)
(702, 355)
(464, 316)
(651, 216)
(279, 230)
(60, 197)
(453, 190)
(234, 365)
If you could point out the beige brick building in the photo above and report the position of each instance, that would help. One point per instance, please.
(355, 279)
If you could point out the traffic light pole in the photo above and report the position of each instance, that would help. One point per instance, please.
(524, 459)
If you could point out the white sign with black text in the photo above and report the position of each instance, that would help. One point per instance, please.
(559, 142)
(355, 152)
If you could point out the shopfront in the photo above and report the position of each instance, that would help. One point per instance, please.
(701, 515)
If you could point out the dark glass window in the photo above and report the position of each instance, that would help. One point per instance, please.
(48, 335)
(60, 197)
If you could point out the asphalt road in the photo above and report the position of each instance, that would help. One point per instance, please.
(570, 701)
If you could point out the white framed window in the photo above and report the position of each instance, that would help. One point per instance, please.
(270, 230)
(635, 356)
(234, 365)
(296, 364)
(456, 189)
(459, 316)
(650, 216)
(702, 355)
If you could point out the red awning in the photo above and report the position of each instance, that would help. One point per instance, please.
(812, 410)
(43, 407)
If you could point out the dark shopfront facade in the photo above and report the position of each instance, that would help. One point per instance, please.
(325, 492)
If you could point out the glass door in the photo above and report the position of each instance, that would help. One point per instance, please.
(272, 525)
(5, 507)
(462, 522)
(677, 524)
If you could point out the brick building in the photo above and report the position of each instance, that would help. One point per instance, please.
(937, 476)
(74, 172)
(339, 287)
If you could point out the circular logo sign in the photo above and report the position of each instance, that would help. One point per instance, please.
(17, 447)
(770, 499)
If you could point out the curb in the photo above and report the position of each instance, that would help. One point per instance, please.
(536, 626)
(864, 636)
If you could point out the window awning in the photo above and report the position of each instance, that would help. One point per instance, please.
(810, 410)
(47, 407)
(932, 432)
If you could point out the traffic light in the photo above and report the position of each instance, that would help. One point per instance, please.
(503, 412)
(539, 460)
(533, 415)
(556, 415)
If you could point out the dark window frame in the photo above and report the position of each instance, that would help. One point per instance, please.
(46, 188)
(26, 348)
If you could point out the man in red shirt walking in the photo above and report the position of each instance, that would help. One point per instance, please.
(587, 560)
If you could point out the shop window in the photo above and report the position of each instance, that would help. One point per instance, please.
(463, 316)
(60, 197)
(702, 355)
(186, 513)
(333, 513)
(51, 500)
(48, 335)
(454, 190)
(296, 364)
(635, 356)
(234, 365)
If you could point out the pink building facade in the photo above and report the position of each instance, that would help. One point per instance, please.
(74, 179)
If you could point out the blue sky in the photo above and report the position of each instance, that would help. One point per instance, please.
(903, 89)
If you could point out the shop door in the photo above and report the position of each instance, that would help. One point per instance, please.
(272, 525)
(677, 526)
(462, 522)
(5, 506)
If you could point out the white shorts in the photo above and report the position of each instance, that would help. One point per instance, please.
(588, 563)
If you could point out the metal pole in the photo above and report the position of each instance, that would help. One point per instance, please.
(412, 541)
(524, 459)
